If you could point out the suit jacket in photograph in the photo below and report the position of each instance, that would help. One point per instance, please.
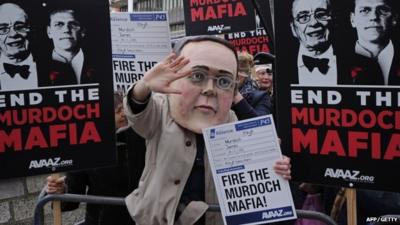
(342, 62)
(60, 73)
(366, 71)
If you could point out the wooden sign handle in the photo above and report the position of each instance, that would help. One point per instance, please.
(351, 203)
(57, 206)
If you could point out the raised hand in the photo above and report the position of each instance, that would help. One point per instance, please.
(160, 77)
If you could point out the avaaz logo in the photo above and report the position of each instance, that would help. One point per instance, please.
(218, 28)
(348, 175)
(49, 163)
(272, 214)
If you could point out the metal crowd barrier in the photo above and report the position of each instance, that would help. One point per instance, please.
(102, 200)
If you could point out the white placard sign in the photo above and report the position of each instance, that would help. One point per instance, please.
(242, 156)
(139, 40)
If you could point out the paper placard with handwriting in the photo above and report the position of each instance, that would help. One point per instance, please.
(139, 40)
(242, 155)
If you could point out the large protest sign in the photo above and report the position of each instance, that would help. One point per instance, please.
(218, 17)
(139, 40)
(338, 104)
(253, 41)
(264, 9)
(241, 157)
(56, 95)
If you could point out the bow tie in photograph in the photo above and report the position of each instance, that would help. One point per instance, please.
(311, 63)
(11, 69)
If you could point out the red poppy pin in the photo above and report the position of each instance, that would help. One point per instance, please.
(53, 75)
(356, 71)
(90, 72)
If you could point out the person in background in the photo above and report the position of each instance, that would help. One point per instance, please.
(264, 71)
(249, 100)
(116, 181)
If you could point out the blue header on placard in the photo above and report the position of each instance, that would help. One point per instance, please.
(253, 124)
(212, 133)
(148, 17)
(123, 56)
(230, 169)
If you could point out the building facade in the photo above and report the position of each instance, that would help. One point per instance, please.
(118, 6)
(175, 13)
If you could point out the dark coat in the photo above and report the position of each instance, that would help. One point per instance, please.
(117, 181)
(394, 74)
(59, 73)
(366, 71)
(255, 102)
(342, 62)
(41, 68)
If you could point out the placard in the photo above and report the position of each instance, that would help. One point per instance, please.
(242, 156)
(338, 83)
(218, 17)
(139, 41)
(56, 94)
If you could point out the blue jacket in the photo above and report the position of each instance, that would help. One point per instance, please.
(255, 102)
